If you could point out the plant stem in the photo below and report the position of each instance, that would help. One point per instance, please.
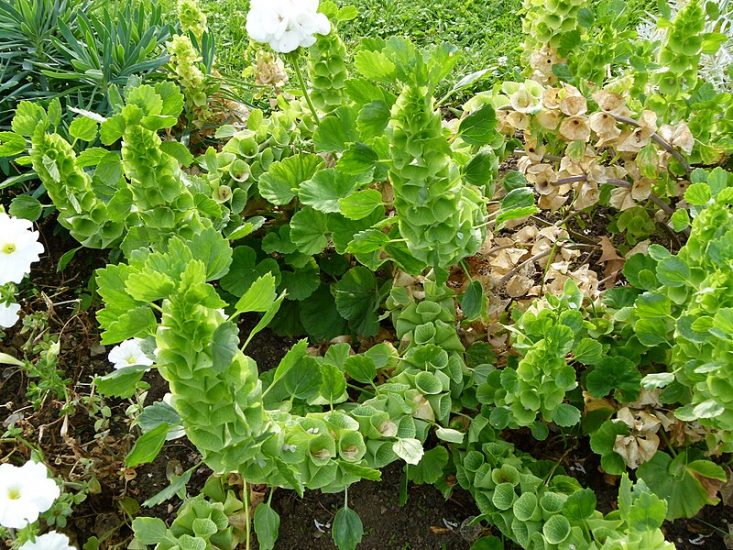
(301, 80)
(245, 495)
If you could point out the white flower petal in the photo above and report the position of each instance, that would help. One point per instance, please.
(50, 541)
(9, 315)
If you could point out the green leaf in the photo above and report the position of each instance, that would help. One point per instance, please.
(26, 207)
(566, 415)
(488, 543)
(280, 184)
(679, 482)
(308, 230)
(698, 194)
(259, 297)
(615, 373)
(373, 119)
(580, 505)
(336, 131)
(481, 169)
(326, 189)
(121, 382)
(374, 65)
(680, 220)
(176, 486)
(11, 144)
(156, 414)
(28, 117)
(147, 446)
(430, 469)
(178, 151)
(504, 496)
(640, 270)
(450, 435)
(319, 315)
(267, 526)
(245, 270)
(357, 299)
(473, 301)
(266, 319)
(588, 351)
(149, 530)
(409, 449)
(347, 530)
(361, 368)
(647, 512)
(479, 128)
(224, 345)
(210, 247)
(83, 128)
(302, 283)
(303, 380)
(333, 384)
(673, 272)
(366, 242)
(556, 529)
(359, 205)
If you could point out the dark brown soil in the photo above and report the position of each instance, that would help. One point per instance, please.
(426, 522)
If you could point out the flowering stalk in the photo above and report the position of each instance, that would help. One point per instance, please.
(301, 80)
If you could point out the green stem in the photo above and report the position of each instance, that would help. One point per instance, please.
(245, 495)
(301, 81)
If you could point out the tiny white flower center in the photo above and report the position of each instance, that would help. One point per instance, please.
(9, 248)
(13, 493)
(131, 360)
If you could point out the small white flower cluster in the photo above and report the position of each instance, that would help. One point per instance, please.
(286, 25)
(129, 354)
(19, 248)
(25, 493)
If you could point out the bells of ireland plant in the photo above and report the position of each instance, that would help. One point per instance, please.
(25, 493)
(327, 72)
(439, 217)
(286, 25)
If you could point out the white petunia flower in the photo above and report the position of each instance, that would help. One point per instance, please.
(9, 315)
(129, 354)
(19, 248)
(286, 25)
(25, 493)
(50, 541)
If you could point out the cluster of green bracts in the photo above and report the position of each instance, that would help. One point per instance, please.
(439, 217)
(535, 505)
(327, 72)
(87, 217)
(547, 22)
(134, 199)
(681, 52)
(692, 315)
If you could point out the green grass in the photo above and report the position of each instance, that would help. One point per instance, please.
(483, 29)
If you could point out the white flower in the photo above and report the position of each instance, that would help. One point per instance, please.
(50, 541)
(9, 315)
(286, 25)
(129, 354)
(19, 248)
(25, 492)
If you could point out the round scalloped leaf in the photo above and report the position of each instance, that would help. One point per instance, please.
(428, 383)
(556, 530)
(504, 496)
(525, 506)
